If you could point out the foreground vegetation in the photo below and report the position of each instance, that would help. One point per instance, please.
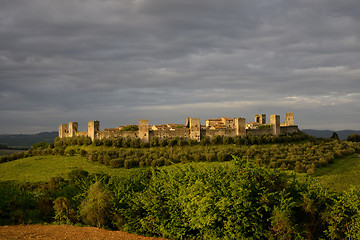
(231, 201)
(223, 190)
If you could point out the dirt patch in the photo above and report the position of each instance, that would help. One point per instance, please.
(57, 232)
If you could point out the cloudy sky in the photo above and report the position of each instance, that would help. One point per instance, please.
(118, 61)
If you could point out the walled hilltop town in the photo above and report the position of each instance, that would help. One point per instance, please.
(191, 130)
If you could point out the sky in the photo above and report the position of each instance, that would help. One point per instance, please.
(118, 61)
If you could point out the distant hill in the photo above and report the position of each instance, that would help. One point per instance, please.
(343, 134)
(27, 140)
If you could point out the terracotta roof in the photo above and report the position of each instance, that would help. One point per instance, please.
(175, 125)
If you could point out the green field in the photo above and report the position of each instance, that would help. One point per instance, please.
(342, 174)
(42, 168)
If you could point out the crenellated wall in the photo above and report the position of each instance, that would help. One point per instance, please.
(226, 132)
(192, 129)
(118, 134)
(165, 133)
(257, 132)
(81, 134)
(289, 129)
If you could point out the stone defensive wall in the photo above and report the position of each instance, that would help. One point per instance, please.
(191, 130)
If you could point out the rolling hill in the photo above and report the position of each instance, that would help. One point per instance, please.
(343, 134)
(27, 140)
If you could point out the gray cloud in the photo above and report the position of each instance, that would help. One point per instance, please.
(118, 61)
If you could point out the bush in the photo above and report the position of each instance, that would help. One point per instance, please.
(354, 138)
(244, 202)
(83, 153)
(130, 163)
(64, 214)
(117, 163)
(70, 152)
(97, 208)
(77, 175)
(41, 145)
(344, 217)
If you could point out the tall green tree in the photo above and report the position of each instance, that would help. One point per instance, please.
(97, 208)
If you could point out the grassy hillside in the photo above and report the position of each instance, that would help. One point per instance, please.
(342, 174)
(42, 168)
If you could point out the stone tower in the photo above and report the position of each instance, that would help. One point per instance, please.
(260, 118)
(289, 119)
(275, 124)
(73, 128)
(187, 122)
(144, 130)
(240, 126)
(195, 128)
(93, 128)
(62, 131)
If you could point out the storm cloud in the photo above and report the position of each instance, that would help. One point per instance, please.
(119, 61)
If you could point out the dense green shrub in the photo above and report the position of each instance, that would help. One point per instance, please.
(97, 208)
(117, 163)
(354, 138)
(64, 213)
(18, 205)
(77, 175)
(41, 145)
(344, 216)
(246, 201)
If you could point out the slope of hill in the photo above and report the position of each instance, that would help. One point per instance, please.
(343, 134)
(27, 140)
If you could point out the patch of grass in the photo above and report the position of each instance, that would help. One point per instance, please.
(342, 174)
(42, 168)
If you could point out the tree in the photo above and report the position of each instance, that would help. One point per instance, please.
(97, 207)
(41, 145)
(354, 138)
(63, 211)
(335, 136)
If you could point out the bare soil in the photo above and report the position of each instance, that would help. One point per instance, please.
(57, 232)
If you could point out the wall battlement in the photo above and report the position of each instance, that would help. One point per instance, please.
(191, 130)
